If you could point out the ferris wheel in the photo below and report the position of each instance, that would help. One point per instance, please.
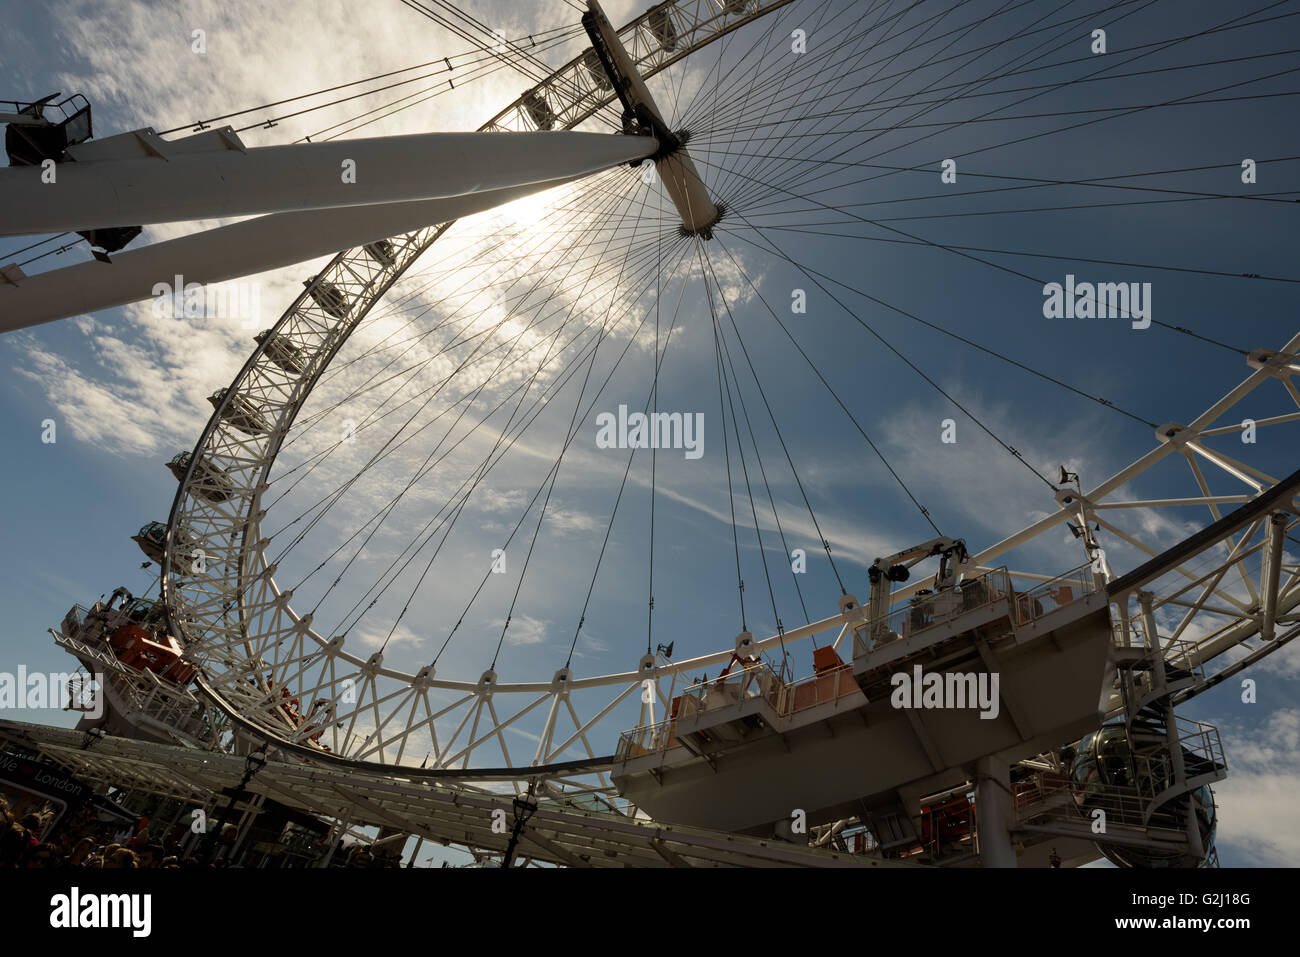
(356, 577)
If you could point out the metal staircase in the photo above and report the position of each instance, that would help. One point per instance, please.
(1135, 789)
(1170, 758)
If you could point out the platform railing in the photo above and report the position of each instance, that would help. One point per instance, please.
(855, 838)
(145, 695)
(822, 688)
(931, 609)
(1154, 764)
(1039, 787)
(1131, 804)
(1053, 795)
(1199, 740)
(921, 614)
(1177, 652)
(77, 101)
(646, 739)
(1127, 638)
(1150, 778)
(1063, 590)
(753, 681)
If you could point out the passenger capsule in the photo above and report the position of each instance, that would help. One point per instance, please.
(382, 252)
(539, 110)
(661, 28)
(1107, 774)
(328, 297)
(281, 351)
(210, 481)
(241, 413)
(152, 539)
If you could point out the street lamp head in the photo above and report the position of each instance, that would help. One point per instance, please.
(525, 805)
(255, 761)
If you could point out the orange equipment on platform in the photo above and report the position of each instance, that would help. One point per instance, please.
(139, 648)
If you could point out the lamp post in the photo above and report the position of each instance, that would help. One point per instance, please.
(525, 806)
(252, 764)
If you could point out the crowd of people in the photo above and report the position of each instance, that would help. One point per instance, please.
(81, 840)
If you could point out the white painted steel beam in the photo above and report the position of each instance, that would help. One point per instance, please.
(228, 252)
(139, 178)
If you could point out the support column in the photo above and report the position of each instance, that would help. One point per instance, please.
(251, 813)
(134, 179)
(1271, 575)
(1178, 770)
(228, 252)
(338, 832)
(995, 812)
(284, 238)
(1155, 653)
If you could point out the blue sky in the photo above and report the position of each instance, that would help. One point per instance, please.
(127, 389)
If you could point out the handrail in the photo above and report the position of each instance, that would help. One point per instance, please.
(47, 103)
(920, 614)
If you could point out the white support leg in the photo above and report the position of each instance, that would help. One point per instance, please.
(135, 179)
(228, 252)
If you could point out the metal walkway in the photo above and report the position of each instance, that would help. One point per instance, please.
(436, 810)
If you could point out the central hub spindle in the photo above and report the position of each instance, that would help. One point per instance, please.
(676, 170)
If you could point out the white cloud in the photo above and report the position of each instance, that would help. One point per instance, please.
(526, 630)
(376, 636)
(1257, 802)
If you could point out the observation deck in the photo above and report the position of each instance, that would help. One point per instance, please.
(142, 679)
(744, 751)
